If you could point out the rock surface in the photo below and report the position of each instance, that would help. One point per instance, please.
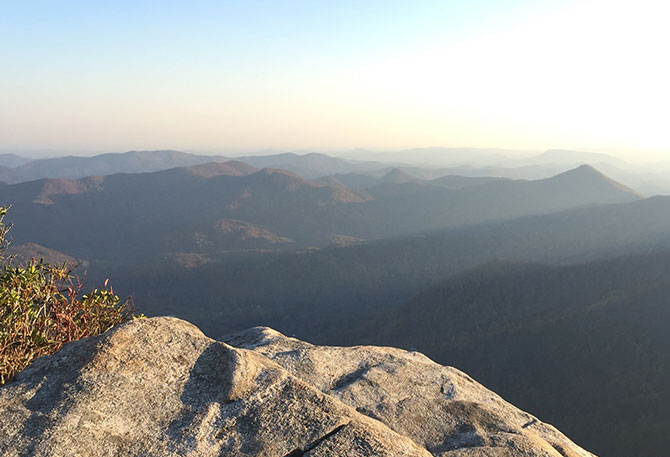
(159, 387)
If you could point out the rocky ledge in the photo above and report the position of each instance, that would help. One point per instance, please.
(159, 387)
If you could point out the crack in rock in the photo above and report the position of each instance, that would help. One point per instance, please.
(301, 452)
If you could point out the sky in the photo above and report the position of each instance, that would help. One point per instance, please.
(246, 75)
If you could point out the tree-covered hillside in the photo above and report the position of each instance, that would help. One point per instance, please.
(584, 347)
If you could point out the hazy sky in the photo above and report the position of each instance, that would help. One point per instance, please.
(118, 75)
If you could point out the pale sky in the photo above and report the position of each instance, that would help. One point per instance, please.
(86, 77)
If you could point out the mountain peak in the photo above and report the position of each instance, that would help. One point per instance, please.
(12, 160)
(587, 175)
(585, 167)
(398, 176)
(160, 384)
(585, 170)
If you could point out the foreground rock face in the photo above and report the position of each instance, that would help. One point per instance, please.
(159, 387)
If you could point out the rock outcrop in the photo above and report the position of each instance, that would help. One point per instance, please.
(159, 387)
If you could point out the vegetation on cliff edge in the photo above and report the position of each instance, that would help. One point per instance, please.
(42, 308)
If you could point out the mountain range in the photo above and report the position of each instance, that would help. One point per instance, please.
(496, 275)
(15, 169)
(216, 207)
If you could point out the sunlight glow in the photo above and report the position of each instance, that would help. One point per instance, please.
(591, 75)
(580, 75)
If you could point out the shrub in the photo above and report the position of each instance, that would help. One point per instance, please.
(42, 308)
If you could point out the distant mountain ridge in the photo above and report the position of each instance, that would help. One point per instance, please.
(178, 209)
(73, 167)
(310, 165)
(498, 199)
(171, 209)
(356, 172)
(12, 160)
(573, 158)
(15, 169)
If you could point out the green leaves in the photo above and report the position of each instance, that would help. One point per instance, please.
(41, 308)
